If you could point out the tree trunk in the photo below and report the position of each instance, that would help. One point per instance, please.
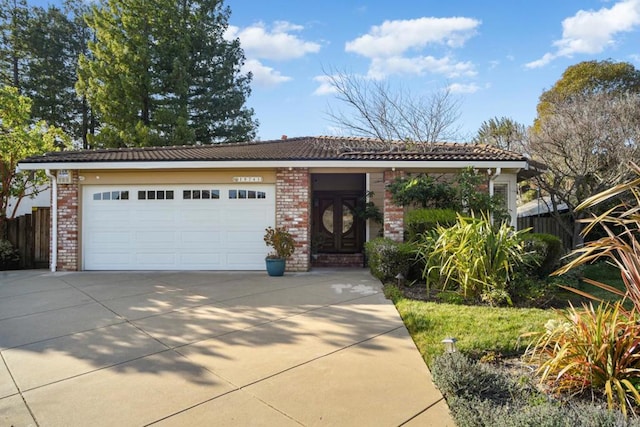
(578, 238)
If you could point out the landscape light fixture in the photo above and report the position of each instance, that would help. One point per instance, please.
(450, 345)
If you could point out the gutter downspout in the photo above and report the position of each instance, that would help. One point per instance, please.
(54, 220)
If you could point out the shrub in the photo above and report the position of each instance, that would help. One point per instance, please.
(422, 190)
(592, 349)
(457, 375)
(9, 256)
(387, 258)
(620, 245)
(473, 258)
(281, 241)
(480, 395)
(480, 413)
(544, 252)
(420, 221)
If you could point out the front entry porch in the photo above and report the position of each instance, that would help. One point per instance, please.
(337, 230)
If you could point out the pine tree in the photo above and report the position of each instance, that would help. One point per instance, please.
(162, 74)
(14, 56)
(38, 55)
(52, 69)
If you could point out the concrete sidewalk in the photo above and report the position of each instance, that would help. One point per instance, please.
(208, 348)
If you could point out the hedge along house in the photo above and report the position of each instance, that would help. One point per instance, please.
(206, 207)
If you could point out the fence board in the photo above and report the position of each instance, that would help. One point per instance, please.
(30, 234)
(42, 237)
(548, 225)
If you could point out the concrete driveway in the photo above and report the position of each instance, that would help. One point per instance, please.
(208, 348)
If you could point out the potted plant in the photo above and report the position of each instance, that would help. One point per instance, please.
(283, 247)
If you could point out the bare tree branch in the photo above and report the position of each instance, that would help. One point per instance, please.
(374, 109)
(586, 143)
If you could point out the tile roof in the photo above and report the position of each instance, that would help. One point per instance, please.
(301, 148)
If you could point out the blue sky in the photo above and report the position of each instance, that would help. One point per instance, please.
(497, 56)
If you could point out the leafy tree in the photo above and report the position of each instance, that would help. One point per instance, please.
(585, 145)
(162, 74)
(377, 110)
(503, 132)
(21, 138)
(424, 191)
(588, 78)
(464, 194)
(586, 129)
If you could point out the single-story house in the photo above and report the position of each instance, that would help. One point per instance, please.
(206, 207)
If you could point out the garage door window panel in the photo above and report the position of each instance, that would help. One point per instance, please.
(111, 195)
(155, 195)
(247, 194)
(201, 194)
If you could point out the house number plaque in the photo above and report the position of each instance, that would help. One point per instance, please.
(247, 179)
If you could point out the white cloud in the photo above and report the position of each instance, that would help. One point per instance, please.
(388, 46)
(591, 32)
(325, 87)
(546, 58)
(393, 38)
(382, 67)
(463, 88)
(264, 76)
(276, 43)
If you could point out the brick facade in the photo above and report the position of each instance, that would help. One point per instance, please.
(293, 212)
(393, 214)
(68, 225)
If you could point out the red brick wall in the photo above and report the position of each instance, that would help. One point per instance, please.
(293, 212)
(68, 225)
(393, 214)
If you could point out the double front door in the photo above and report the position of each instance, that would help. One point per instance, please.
(336, 227)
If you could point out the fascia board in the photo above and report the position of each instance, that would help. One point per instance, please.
(262, 164)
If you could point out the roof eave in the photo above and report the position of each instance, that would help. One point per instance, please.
(262, 164)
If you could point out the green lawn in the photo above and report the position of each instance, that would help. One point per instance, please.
(478, 329)
(601, 272)
(482, 329)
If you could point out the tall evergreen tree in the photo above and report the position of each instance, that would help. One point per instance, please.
(39, 51)
(86, 121)
(52, 68)
(161, 73)
(14, 55)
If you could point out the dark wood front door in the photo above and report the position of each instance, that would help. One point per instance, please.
(336, 228)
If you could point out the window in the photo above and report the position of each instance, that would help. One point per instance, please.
(247, 194)
(501, 191)
(200, 194)
(111, 195)
(155, 195)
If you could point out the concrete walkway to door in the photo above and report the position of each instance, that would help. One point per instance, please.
(208, 348)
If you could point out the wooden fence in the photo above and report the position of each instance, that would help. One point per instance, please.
(549, 225)
(30, 235)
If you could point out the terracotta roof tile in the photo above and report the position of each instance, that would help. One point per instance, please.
(302, 148)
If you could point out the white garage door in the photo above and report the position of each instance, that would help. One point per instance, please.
(176, 227)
